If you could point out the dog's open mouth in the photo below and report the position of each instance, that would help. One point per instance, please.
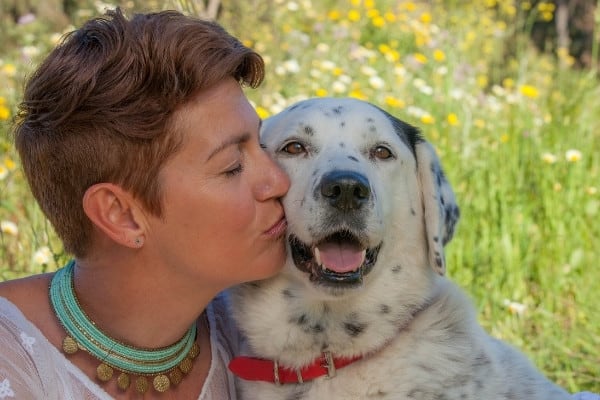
(339, 259)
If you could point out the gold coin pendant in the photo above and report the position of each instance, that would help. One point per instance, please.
(161, 383)
(141, 385)
(175, 376)
(123, 381)
(186, 365)
(69, 345)
(104, 372)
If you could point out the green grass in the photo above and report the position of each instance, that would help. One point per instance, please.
(501, 116)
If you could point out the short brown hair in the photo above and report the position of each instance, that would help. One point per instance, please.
(99, 108)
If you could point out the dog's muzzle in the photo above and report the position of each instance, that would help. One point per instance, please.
(338, 260)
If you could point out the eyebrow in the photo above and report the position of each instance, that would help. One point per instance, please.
(244, 137)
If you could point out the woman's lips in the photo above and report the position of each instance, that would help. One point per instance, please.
(278, 229)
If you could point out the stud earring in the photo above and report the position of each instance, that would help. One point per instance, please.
(138, 241)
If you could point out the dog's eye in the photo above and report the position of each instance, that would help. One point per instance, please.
(381, 153)
(294, 148)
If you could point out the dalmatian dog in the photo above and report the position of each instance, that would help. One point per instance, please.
(362, 309)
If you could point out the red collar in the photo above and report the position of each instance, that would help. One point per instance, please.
(258, 369)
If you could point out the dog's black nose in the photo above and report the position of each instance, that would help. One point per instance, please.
(345, 190)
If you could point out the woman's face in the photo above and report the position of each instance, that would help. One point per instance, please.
(222, 219)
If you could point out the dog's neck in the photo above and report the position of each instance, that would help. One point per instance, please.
(297, 330)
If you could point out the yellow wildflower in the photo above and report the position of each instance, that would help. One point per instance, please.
(394, 102)
(354, 15)
(10, 164)
(482, 81)
(427, 119)
(389, 16)
(408, 6)
(320, 92)
(420, 58)
(504, 138)
(4, 113)
(453, 119)
(425, 18)
(508, 83)
(262, 112)
(373, 13)
(378, 21)
(9, 69)
(334, 15)
(479, 123)
(3, 172)
(439, 55)
(529, 91)
(357, 94)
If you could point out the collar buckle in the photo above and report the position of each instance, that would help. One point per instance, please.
(329, 364)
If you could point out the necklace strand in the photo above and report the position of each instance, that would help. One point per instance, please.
(167, 365)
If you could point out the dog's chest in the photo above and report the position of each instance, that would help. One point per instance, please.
(406, 369)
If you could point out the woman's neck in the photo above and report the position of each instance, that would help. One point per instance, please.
(137, 303)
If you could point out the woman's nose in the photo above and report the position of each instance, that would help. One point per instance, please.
(274, 182)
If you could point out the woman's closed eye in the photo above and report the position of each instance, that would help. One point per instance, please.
(238, 168)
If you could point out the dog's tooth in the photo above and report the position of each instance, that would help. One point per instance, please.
(317, 256)
(363, 256)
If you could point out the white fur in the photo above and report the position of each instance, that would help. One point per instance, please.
(416, 330)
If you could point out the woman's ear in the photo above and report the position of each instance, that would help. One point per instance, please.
(116, 213)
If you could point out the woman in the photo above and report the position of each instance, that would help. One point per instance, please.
(142, 151)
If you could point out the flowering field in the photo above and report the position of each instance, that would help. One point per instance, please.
(517, 131)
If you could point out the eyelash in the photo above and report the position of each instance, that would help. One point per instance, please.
(235, 171)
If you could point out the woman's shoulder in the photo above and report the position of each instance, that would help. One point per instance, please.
(22, 292)
(30, 296)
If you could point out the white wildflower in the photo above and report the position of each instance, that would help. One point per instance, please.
(9, 227)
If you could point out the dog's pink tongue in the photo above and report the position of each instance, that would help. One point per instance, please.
(340, 257)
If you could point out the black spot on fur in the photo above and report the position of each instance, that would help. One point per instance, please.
(317, 328)
(481, 360)
(397, 268)
(342, 124)
(287, 293)
(353, 158)
(436, 239)
(428, 369)
(342, 145)
(384, 309)
(299, 391)
(337, 110)
(309, 130)
(354, 329)
(372, 128)
(413, 212)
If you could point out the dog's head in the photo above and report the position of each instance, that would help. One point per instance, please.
(365, 187)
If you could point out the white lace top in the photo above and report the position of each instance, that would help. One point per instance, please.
(31, 368)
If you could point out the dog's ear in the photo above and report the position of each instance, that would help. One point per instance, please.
(441, 212)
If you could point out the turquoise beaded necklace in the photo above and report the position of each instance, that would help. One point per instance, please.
(166, 365)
